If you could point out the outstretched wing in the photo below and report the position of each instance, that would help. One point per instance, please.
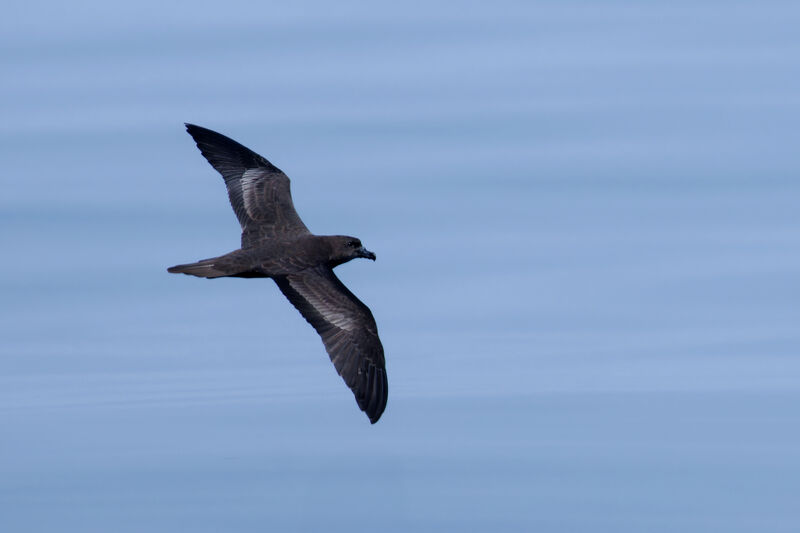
(348, 331)
(258, 190)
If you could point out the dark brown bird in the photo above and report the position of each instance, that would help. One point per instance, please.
(276, 244)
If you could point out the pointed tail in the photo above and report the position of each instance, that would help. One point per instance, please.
(201, 269)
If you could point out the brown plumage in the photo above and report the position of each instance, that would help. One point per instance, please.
(276, 244)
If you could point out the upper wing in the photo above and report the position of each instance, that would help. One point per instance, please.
(258, 190)
(348, 331)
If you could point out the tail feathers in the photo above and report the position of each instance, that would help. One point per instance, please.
(201, 269)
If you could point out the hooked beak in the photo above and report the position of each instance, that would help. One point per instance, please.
(363, 252)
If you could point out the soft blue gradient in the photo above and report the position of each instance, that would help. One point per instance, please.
(586, 216)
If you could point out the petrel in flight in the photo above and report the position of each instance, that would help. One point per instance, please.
(276, 244)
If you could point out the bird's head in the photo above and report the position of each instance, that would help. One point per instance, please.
(345, 248)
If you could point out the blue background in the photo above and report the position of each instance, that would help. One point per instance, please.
(586, 222)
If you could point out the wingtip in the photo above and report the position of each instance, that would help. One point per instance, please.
(380, 394)
(192, 128)
(229, 157)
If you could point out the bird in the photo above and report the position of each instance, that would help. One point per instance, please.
(276, 244)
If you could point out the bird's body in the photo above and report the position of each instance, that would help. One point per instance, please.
(276, 244)
(267, 259)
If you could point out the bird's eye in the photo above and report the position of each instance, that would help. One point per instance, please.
(352, 244)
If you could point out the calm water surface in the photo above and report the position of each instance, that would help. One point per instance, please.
(586, 222)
